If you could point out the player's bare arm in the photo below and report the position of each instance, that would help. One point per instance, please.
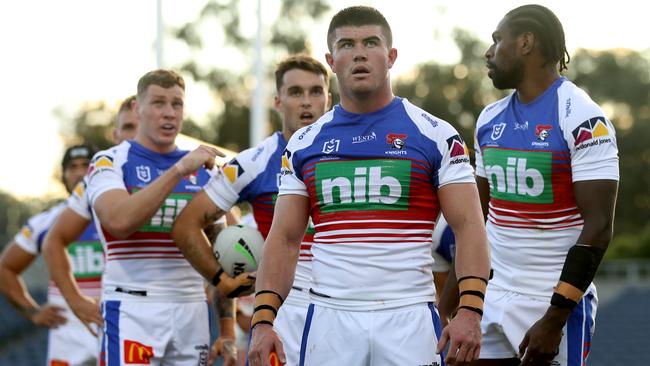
(190, 238)
(275, 275)
(68, 228)
(224, 346)
(13, 261)
(121, 214)
(596, 200)
(472, 269)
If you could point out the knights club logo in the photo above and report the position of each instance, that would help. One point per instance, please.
(396, 140)
(543, 132)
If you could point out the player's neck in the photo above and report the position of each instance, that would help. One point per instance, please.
(367, 103)
(535, 84)
(149, 144)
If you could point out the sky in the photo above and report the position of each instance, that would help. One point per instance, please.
(56, 55)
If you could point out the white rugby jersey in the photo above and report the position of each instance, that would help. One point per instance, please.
(85, 253)
(147, 265)
(254, 176)
(372, 182)
(531, 154)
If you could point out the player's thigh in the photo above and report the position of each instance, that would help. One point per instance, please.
(333, 337)
(578, 332)
(190, 345)
(72, 344)
(135, 333)
(289, 324)
(406, 336)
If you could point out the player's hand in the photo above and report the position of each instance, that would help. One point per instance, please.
(264, 340)
(542, 341)
(201, 156)
(242, 284)
(48, 316)
(464, 337)
(226, 348)
(87, 310)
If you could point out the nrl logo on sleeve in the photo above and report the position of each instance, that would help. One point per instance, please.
(497, 131)
(593, 130)
(458, 151)
(232, 170)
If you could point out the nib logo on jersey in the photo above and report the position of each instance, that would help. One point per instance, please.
(519, 176)
(457, 150)
(363, 185)
(592, 132)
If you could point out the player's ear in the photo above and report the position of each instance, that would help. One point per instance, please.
(392, 57)
(330, 61)
(527, 42)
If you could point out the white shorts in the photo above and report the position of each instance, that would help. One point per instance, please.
(71, 344)
(155, 333)
(289, 325)
(406, 335)
(508, 315)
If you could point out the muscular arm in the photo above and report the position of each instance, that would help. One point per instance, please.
(68, 227)
(121, 213)
(282, 245)
(471, 260)
(596, 200)
(190, 238)
(13, 262)
(466, 220)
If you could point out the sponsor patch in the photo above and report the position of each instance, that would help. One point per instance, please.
(590, 129)
(137, 353)
(232, 170)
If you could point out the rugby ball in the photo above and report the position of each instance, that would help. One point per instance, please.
(238, 249)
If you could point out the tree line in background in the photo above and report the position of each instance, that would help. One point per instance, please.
(618, 80)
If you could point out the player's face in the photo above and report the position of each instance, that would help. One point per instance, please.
(161, 117)
(127, 126)
(73, 172)
(505, 65)
(302, 99)
(361, 59)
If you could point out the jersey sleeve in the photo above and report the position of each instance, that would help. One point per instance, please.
(290, 182)
(228, 186)
(104, 174)
(591, 139)
(454, 165)
(31, 235)
(78, 201)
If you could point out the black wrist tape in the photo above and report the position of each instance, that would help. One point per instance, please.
(562, 302)
(217, 277)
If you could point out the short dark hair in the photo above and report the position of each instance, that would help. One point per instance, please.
(302, 62)
(545, 26)
(163, 78)
(357, 16)
(126, 104)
